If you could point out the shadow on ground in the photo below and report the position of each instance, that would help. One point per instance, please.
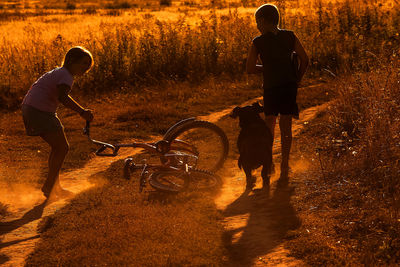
(31, 215)
(6, 227)
(271, 216)
(3, 258)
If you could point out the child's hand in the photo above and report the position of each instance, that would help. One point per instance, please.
(87, 114)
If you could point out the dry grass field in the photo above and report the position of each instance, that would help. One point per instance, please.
(160, 61)
(350, 212)
(137, 47)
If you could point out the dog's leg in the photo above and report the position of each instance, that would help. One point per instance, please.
(267, 170)
(250, 180)
(266, 174)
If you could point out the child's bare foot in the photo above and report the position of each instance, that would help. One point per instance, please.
(57, 193)
(63, 193)
(46, 191)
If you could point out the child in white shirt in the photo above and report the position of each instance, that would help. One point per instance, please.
(39, 111)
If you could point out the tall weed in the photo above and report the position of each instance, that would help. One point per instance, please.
(130, 50)
(3, 210)
(362, 152)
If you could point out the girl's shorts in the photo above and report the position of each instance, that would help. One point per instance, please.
(38, 122)
(281, 100)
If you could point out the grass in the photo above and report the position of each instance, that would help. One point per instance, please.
(119, 226)
(3, 210)
(350, 207)
(118, 117)
(132, 230)
(116, 225)
(123, 116)
(138, 48)
(149, 65)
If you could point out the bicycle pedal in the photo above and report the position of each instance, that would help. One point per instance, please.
(142, 186)
(132, 166)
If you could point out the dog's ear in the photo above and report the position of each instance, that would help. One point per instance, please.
(258, 107)
(235, 112)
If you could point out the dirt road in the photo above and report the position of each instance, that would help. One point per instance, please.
(19, 233)
(255, 222)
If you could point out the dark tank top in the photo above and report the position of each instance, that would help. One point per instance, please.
(275, 52)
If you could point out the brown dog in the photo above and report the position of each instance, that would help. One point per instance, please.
(254, 143)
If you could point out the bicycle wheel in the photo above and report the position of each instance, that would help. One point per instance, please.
(169, 181)
(204, 180)
(203, 139)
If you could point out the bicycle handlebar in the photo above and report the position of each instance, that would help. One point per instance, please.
(103, 145)
(158, 147)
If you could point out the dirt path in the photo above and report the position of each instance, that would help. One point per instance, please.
(19, 233)
(255, 223)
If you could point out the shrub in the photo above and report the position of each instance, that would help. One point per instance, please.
(119, 5)
(90, 10)
(70, 6)
(3, 210)
(146, 51)
(360, 157)
(165, 2)
(114, 12)
(188, 3)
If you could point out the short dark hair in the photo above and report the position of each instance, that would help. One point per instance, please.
(268, 12)
(75, 54)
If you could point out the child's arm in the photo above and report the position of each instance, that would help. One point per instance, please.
(69, 102)
(302, 56)
(251, 65)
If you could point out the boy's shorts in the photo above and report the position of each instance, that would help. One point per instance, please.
(38, 122)
(281, 100)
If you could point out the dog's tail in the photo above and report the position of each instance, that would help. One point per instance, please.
(240, 163)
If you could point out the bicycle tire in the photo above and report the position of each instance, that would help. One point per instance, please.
(169, 181)
(201, 180)
(209, 139)
(198, 180)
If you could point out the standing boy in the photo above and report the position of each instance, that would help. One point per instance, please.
(275, 47)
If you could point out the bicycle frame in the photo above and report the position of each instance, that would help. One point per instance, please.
(178, 158)
(145, 168)
(161, 147)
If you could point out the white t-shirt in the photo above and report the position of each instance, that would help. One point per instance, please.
(43, 94)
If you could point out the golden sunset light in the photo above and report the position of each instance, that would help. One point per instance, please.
(200, 133)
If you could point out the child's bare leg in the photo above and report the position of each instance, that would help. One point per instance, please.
(59, 149)
(270, 120)
(285, 124)
(50, 164)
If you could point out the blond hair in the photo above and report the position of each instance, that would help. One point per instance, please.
(75, 54)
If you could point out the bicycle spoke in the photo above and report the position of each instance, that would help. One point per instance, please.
(204, 139)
